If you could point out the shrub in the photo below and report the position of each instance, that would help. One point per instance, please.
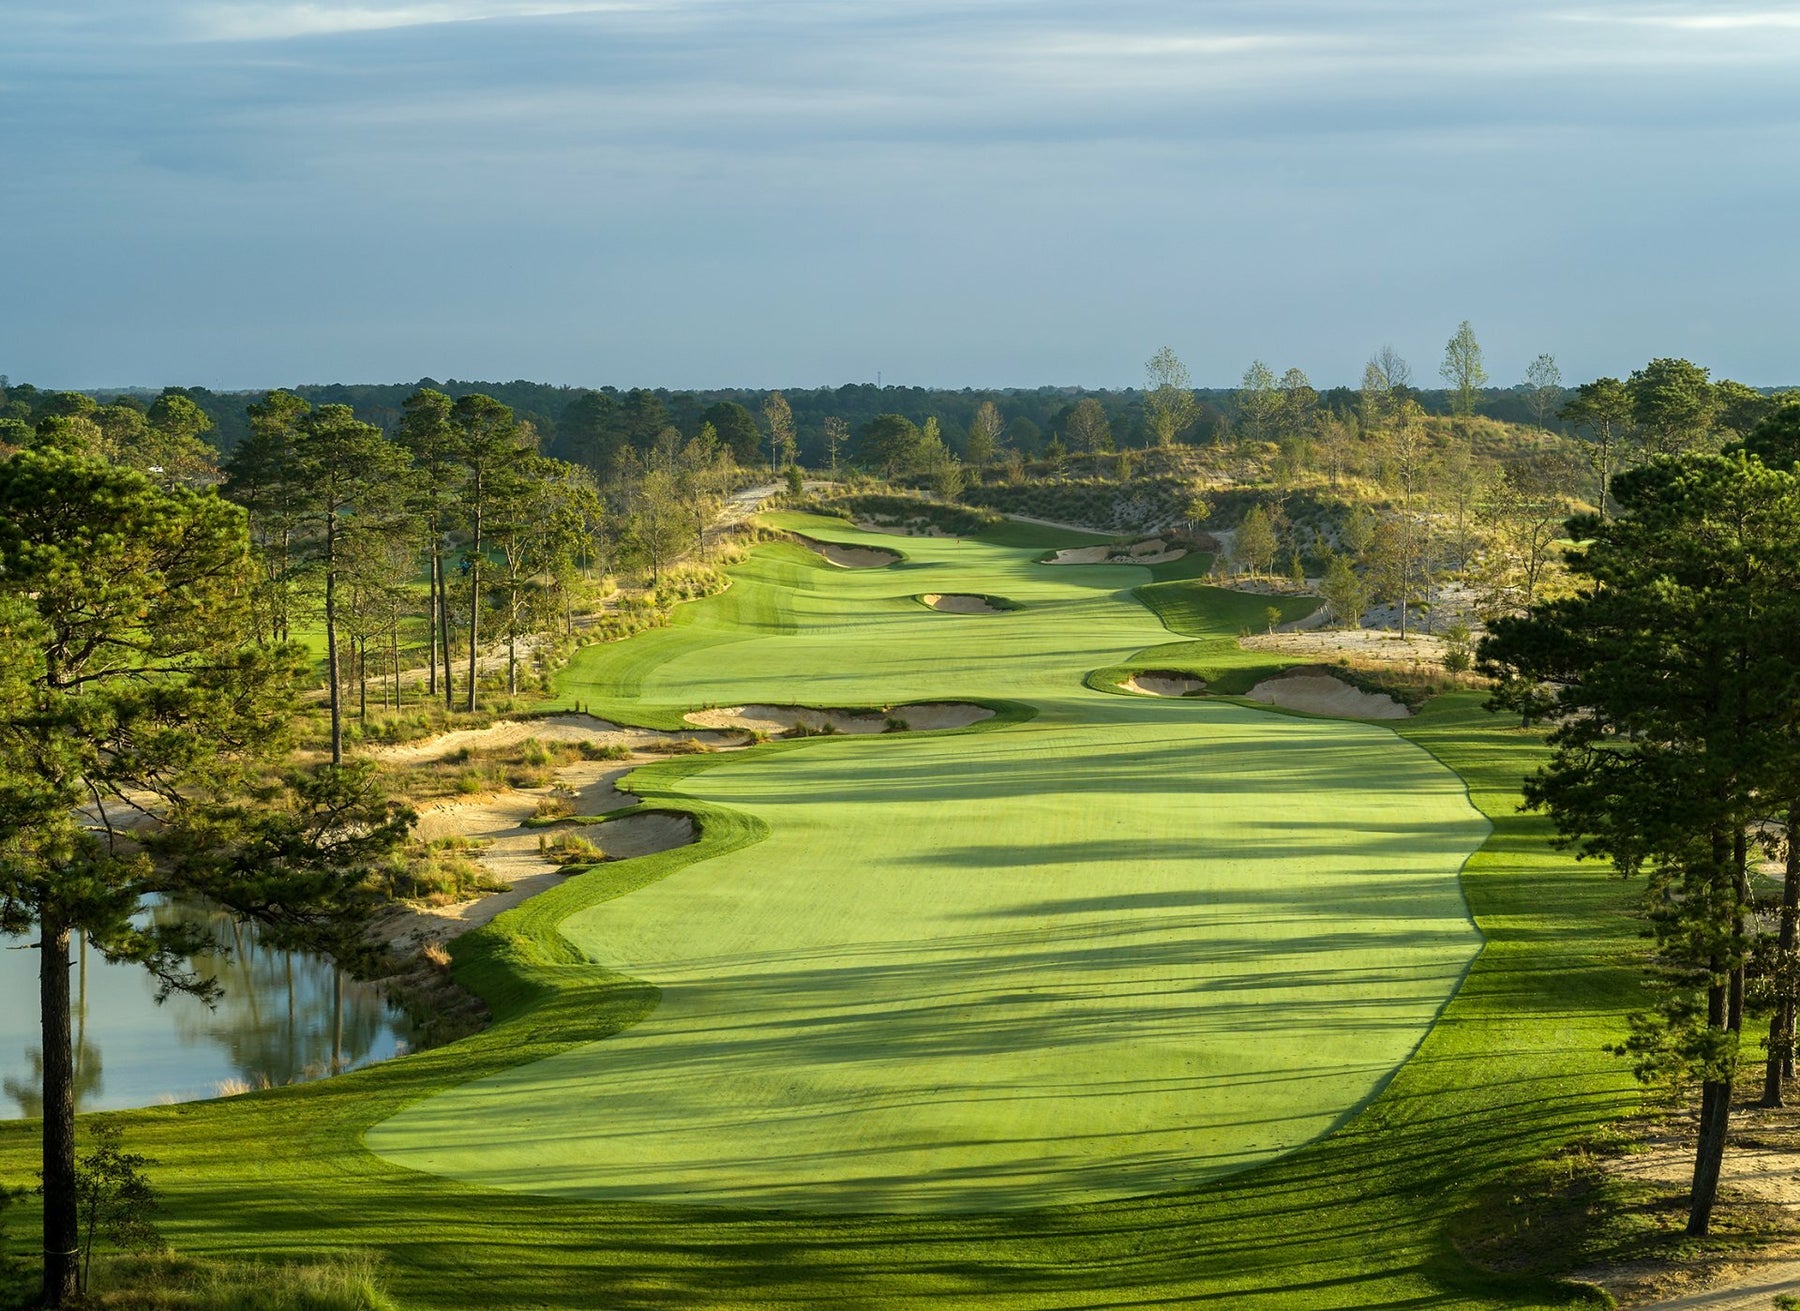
(570, 849)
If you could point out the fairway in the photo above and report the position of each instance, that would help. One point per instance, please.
(1115, 949)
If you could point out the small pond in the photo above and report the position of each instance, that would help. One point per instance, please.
(285, 1017)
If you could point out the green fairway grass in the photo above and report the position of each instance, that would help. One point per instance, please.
(987, 945)
(1090, 956)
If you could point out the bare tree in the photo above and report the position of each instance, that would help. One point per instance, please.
(1386, 379)
(837, 436)
(780, 417)
(1259, 399)
(1543, 388)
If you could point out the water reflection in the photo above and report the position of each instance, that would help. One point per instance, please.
(285, 1017)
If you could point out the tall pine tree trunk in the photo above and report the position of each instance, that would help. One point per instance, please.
(1781, 1023)
(431, 614)
(474, 597)
(443, 613)
(61, 1231)
(1724, 1012)
(331, 643)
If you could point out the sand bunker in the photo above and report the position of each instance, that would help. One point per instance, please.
(1321, 694)
(853, 557)
(775, 720)
(510, 732)
(637, 835)
(1150, 551)
(962, 605)
(1156, 682)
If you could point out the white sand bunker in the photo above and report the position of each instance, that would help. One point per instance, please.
(957, 604)
(1152, 550)
(1321, 694)
(853, 557)
(1161, 682)
(775, 720)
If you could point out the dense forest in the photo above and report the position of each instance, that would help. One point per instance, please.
(588, 425)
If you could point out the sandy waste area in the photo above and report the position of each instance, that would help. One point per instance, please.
(508, 850)
(1151, 551)
(1321, 694)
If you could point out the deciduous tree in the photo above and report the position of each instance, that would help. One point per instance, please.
(1463, 371)
(1543, 388)
(1170, 407)
(1259, 401)
(1088, 428)
(779, 415)
(985, 432)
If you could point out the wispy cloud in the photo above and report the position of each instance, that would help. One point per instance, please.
(274, 22)
(1286, 177)
(1696, 18)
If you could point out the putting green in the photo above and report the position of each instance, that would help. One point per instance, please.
(1119, 949)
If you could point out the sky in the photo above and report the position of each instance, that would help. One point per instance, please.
(985, 193)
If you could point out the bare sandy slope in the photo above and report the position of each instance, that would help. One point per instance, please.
(1151, 551)
(1360, 643)
(509, 851)
(1321, 694)
(921, 718)
(960, 605)
(1154, 684)
(554, 728)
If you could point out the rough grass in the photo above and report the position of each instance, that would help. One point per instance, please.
(1512, 1072)
(169, 1282)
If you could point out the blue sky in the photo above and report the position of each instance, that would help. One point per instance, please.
(696, 193)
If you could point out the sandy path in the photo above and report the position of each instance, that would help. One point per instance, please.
(1754, 1287)
(1321, 694)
